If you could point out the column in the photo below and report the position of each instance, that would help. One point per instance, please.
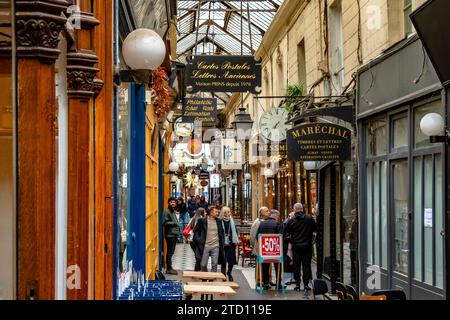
(38, 24)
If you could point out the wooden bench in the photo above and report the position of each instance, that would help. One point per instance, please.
(204, 276)
(232, 285)
(207, 290)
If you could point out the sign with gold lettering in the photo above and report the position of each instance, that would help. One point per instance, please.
(319, 142)
(202, 110)
(223, 74)
(265, 148)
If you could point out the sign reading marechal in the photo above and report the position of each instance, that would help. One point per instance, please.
(200, 110)
(223, 74)
(319, 142)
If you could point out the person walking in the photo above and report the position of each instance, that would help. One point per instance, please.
(300, 229)
(203, 203)
(230, 243)
(199, 213)
(183, 218)
(270, 226)
(172, 233)
(209, 239)
(192, 206)
(263, 215)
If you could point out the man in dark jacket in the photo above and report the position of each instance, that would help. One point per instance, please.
(209, 239)
(172, 233)
(270, 226)
(300, 229)
(192, 206)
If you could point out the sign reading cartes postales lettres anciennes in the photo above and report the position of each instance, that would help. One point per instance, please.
(223, 74)
(202, 110)
(319, 142)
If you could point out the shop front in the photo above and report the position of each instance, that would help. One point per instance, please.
(402, 185)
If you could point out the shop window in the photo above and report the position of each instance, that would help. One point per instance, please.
(377, 138)
(400, 133)
(428, 220)
(420, 139)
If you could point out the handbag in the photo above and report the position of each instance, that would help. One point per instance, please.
(187, 231)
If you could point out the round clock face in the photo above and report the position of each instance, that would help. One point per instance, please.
(273, 124)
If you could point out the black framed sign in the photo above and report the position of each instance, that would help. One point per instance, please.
(319, 142)
(223, 74)
(200, 110)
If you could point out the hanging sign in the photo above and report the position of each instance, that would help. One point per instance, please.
(319, 142)
(270, 248)
(204, 175)
(231, 154)
(202, 110)
(215, 180)
(223, 74)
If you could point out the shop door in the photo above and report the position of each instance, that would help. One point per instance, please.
(151, 194)
(400, 216)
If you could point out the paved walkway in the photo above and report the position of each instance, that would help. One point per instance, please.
(184, 260)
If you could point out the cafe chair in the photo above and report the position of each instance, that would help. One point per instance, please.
(372, 298)
(392, 294)
(319, 287)
(341, 291)
(351, 293)
(244, 250)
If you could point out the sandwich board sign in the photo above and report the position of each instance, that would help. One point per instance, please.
(270, 250)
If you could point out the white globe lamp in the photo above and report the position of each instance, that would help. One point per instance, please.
(248, 176)
(432, 124)
(174, 167)
(143, 51)
(268, 173)
(310, 165)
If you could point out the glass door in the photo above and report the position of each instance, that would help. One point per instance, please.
(400, 210)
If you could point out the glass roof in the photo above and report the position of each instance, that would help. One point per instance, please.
(230, 27)
(216, 27)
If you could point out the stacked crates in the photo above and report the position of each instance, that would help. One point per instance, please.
(154, 290)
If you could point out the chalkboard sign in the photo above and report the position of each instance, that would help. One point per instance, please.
(202, 110)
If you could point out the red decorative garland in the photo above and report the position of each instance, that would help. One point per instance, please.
(163, 96)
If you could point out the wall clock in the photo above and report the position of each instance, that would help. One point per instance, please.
(272, 124)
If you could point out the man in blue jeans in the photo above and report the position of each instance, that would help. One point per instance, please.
(209, 239)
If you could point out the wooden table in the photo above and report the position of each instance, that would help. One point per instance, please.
(232, 285)
(207, 290)
(205, 276)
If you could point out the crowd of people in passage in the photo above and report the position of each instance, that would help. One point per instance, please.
(212, 235)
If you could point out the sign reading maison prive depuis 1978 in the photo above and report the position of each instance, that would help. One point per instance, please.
(319, 142)
(223, 74)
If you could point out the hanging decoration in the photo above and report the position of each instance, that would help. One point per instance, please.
(162, 102)
(191, 180)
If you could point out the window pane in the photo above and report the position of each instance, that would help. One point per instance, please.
(384, 214)
(369, 214)
(376, 135)
(401, 253)
(421, 140)
(376, 213)
(439, 227)
(400, 133)
(428, 231)
(418, 218)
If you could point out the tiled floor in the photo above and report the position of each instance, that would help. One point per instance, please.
(184, 260)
